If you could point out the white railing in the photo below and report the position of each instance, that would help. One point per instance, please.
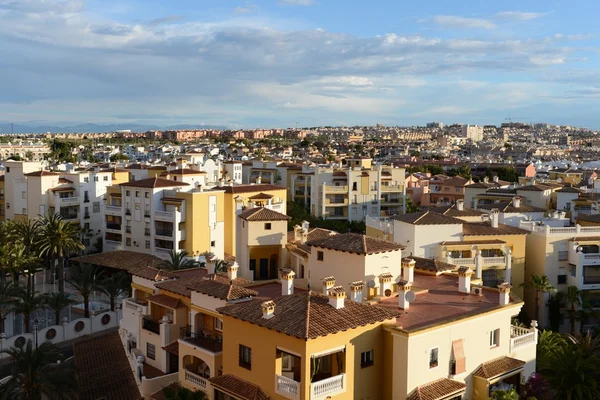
(333, 188)
(494, 260)
(164, 215)
(462, 261)
(287, 387)
(197, 380)
(593, 256)
(114, 209)
(112, 242)
(69, 200)
(327, 387)
(521, 337)
(132, 304)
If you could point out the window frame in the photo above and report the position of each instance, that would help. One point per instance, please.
(245, 356)
(495, 338)
(367, 358)
(268, 226)
(434, 364)
(320, 255)
(150, 354)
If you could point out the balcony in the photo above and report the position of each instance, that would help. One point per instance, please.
(287, 387)
(135, 305)
(168, 233)
(196, 380)
(150, 325)
(163, 216)
(391, 188)
(388, 200)
(86, 216)
(334, 188)
(336, 202)
(113, 226)
(470, 261)
(563, 255)
(69, 216)
(521, 337)
(68, 201)
(584, 258)
(200, 340)
(113, 210)
(328, 387)
(146, 231)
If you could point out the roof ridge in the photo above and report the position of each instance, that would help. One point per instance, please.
(364, 239)
(424, 214)
(306, 334)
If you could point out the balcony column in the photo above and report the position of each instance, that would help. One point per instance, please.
(176, 232)
(579, 269)
(478, 264)
(193, 314)
(508, 270)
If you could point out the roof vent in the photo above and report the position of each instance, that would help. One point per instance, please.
(328, 283)
(337, 296)
(268, 309)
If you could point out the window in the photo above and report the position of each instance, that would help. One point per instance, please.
(574, 271)
(105, 178)
(366, 359)
(95, 179)
(7, 169)
(354, 186)
(320, 256)
(150, 351)
(267, 226)
(562, 279)
(245, 357)
(218, 324)
(147, 195)
(213, 243)
(127, 193)
(86, 226)
(433, 358)
(24, 211)
(24, 194)
(495, 338)
(86, 180)
(568, 206)
(96, 207)
(147, 244)
(137, 193)
(128, 241)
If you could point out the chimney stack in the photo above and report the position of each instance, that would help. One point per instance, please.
(504, 293)
(337, 296)
(297, 233)
(385, 283)
(460, 205)
(287, 282)
(328, 283)
(232, 271)
(494, 217)
(495, 178)
(211, 261)
(403, 288)
(464, 280)
(258, 180)
(268, 309)
(356, 291)
(408, 269)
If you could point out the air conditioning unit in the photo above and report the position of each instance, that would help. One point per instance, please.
(477, 290)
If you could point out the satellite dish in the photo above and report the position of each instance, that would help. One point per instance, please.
(371, 284)
(410, 297)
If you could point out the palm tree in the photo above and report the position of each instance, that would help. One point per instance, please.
(113, 286)
(7, 299)
(85, 279)
(37, 374)
(27, 303)
(586, 311)
(181, 393)
(572, 296)
(572, 374)
(178, 260)
(540, 284)
(26, 233)
(221, 266)
(59, 239)
(57, 301)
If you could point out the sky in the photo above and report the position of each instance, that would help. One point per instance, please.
(285, 63)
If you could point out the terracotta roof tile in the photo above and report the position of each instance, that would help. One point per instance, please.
(429, 264)
(498, 366)
(172, 348)
(262, 214)
(185, 171)
(484, 228)
(451, 211)
(42, 173)
(308, 315)
(180, 286)
(155, 182)
(261, 196)
(103, 370)
(440, 389)
(472, 242)
(165, 300)
(427, 218)
(238, 387)
(235, 189)
(120, 259)
(225, 291)
(355, 243)
(313, 235)
(507, 207)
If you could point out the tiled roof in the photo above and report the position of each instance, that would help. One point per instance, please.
(484, 228)
(238, 387)
(498, 366)
(355, 243)
(589, 218)
(568, 189)
(103, 370)
(457, 181)
(220, 290)
(114, 169)
(185, 171)
(235, 189)
(151, 273)
(120, 259)
(165, 300)
(472, 242)
(180, 286)
(540, 187)
(261, 196)
(42, 173)
(442, 388)
(451, 211)
(308, 315)
(262, 214)
(427, 218)
(313, 235)
(137, 166)
(429, 264)
(64, 180)
(62, 189)
(507, 207)
(172, 348)
(155, 182)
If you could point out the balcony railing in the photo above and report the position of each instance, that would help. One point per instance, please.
(462, 261)
(69, 216)
(494, 260)
(150, 325)
(134, 305)
(200, 340)
(113, 209)
(196, 380)
(563, 255)
(146, 231)
(163, 215)
(287, 387)
(521, 337)
(116, 227)
(164, 232)
(69, 201)
(328, 387)
(590, 280)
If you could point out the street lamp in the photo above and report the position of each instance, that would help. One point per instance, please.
(35, 330)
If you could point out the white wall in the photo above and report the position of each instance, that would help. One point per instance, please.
(423, 240)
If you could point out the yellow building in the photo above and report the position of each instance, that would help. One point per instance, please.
(239, 196)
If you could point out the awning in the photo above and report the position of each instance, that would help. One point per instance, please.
(328, 352)
(499, 368)
(460, 365)
(440, 389)
(238, 388)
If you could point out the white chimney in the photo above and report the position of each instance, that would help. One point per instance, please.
(460, 205)
(305, 225)
(232, 271)
(516, 202)
(464, 280)
(385, 283)
(303, 235)
(211, 262)
(258, 180)
(287, 282)
(268, 309)
(403, 288)
(486, 179)
(297, 233)
(496, 178)
(475, 203)
(328, 283)
(408, 269)
(504, 293)
(337, 296)
(494, 217)
(356, 291)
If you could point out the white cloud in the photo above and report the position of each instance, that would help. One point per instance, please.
(244, 10)
(453, 21)
(518, 15)
(299, 2)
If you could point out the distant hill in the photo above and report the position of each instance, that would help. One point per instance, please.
(94, 128)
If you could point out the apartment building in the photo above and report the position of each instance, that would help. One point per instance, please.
(473, 132)
(26, 150)
(358, 191)
(157, 216)
(233, 172)
(445, 190)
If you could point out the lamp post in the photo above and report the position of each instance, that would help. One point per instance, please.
(35, 330)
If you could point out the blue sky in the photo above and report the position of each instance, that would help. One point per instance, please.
(312, 62)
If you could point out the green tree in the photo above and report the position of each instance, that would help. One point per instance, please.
(85, 279)
(38, 374)
(505, 395)
(573, 298)
(178, 260)
(181, 393)
(118, 157)
(27, 233)
(113, 286)
(572, 374)
(540, 284)
(27, 303)
(59, 240)
(7, 299)
(29, 155)
(411, 206)
(57, 301)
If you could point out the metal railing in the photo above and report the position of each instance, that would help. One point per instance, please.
(116, 227)
(200, 340)
(163, 214)
(150, 325)
(164, 232)
(113, 209)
